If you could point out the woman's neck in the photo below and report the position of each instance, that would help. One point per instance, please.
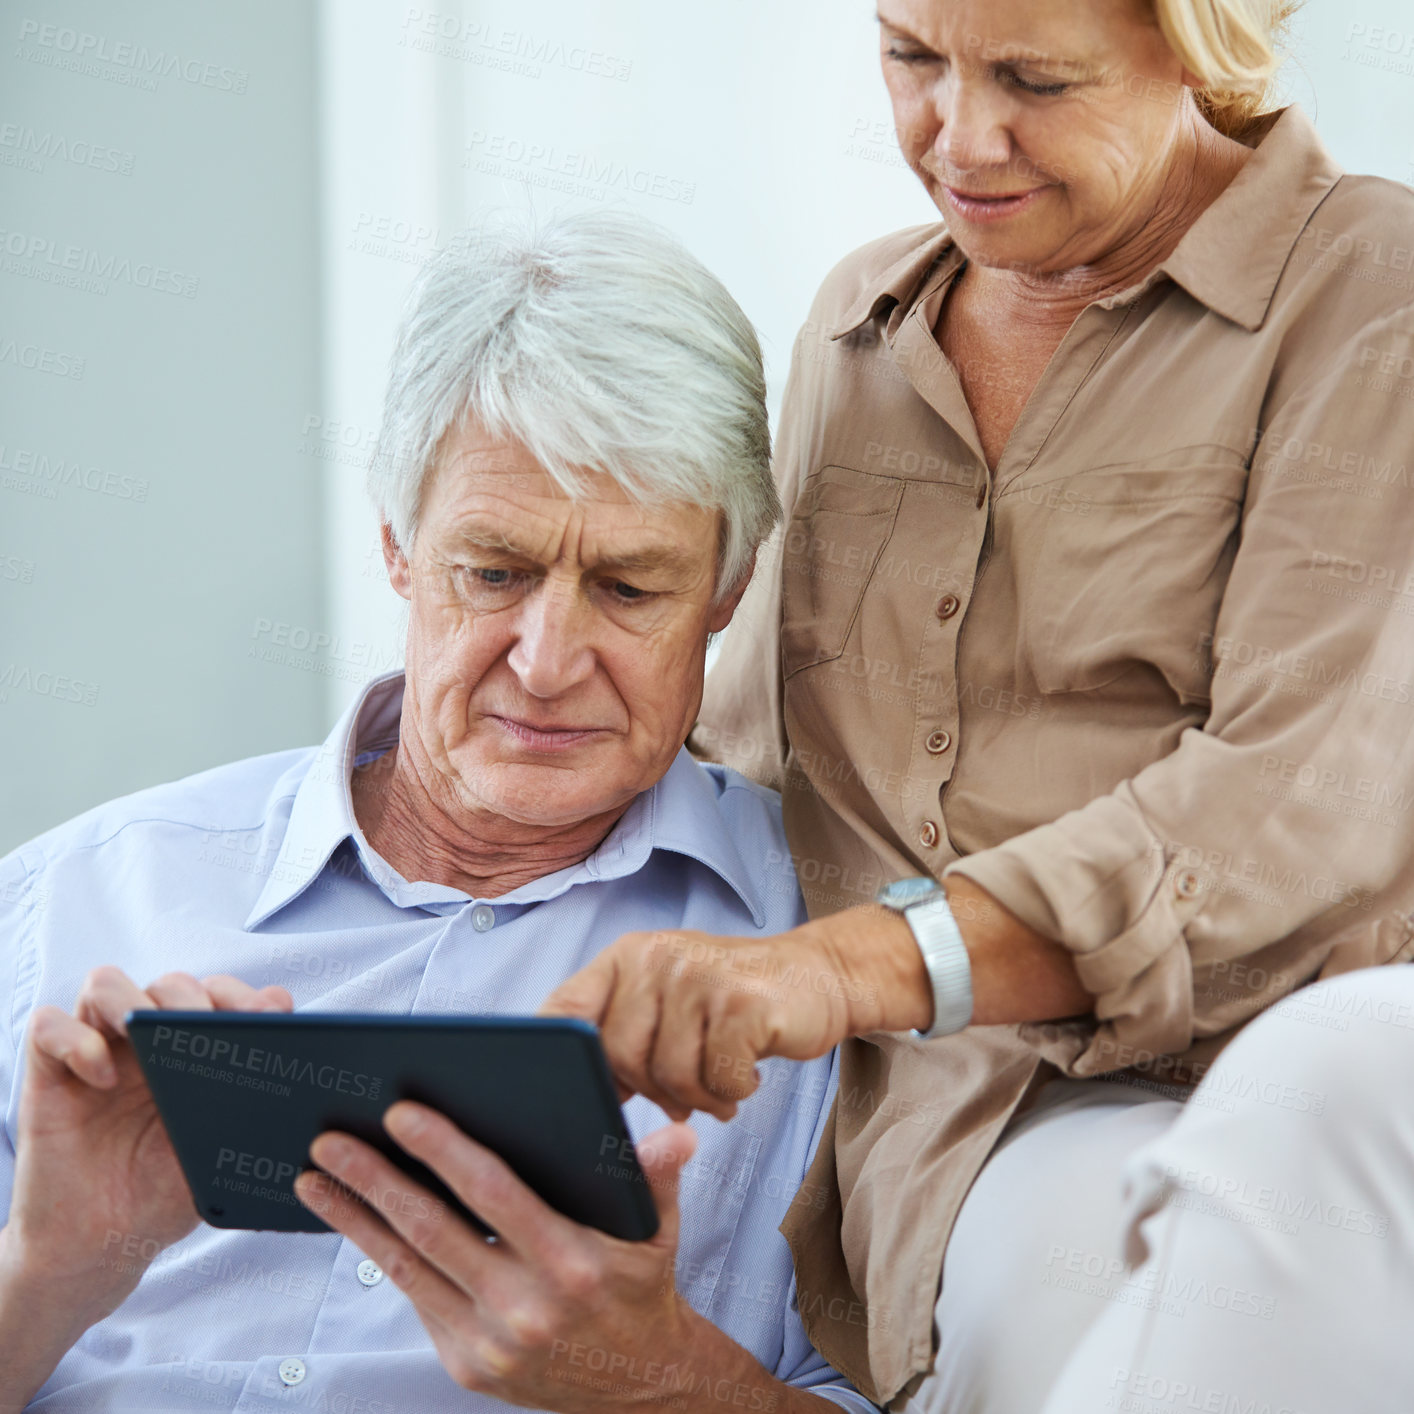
(1200, 171)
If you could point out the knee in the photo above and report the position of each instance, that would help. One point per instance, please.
(1325, 1049)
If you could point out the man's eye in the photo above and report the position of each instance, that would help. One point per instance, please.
(485, 578)
(627, 592)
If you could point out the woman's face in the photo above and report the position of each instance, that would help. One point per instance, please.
(1042, 129)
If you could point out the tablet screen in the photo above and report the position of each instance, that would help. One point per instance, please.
(243, 1094)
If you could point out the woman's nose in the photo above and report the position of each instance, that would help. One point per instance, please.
(972, 135)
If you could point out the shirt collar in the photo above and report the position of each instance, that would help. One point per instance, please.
(899, 284)
(680, 813)
(1230, 259)
(1232, 256)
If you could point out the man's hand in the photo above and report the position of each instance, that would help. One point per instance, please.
(686, 1016)
(93, 1157)
(98, 1191)
(550, 1315)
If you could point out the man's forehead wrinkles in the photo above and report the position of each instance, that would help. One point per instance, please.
(514, 498)
(494, 457)
(637, 542)
(624, 547)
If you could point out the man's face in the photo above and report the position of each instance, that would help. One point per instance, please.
(555, 647)
(1042, 129)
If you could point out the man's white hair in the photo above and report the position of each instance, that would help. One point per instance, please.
(598, 342)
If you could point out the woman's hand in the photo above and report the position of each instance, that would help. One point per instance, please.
(98, 1191)
(685, 1016)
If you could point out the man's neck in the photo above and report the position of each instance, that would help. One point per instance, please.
(411, 816)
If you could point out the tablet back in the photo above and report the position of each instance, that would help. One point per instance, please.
(243, 1095)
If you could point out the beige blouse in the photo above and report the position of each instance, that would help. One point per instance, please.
(1151, 684)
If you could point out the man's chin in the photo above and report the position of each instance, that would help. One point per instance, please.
(546, 794)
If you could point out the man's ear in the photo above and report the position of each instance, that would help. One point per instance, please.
(399, 575)
(722, 613)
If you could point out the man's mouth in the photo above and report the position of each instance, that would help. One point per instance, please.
(545, 736)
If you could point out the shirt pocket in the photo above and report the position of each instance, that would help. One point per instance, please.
(1122, 568)
(839, 526)
(712, 1194)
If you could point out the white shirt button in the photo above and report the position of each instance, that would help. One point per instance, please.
(370, 1273)
(483, 917)
(292, 1371)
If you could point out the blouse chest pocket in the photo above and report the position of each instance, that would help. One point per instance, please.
(839, 526)
(1122, 568)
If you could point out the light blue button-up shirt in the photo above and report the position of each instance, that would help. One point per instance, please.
(260, 869)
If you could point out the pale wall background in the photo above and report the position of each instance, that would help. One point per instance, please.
(155, 508)
(298, 161)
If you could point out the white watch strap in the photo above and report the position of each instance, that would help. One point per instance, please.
(949, 967)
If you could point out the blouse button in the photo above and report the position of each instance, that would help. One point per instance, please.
(948, 605)
(938, 742)
(928, 835)
(1188, 884)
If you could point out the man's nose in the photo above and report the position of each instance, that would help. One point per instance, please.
(552, 652)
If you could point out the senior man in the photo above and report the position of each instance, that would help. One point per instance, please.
(572, 480)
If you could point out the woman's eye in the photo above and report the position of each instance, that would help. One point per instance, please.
(1046, 90)
(910, 56)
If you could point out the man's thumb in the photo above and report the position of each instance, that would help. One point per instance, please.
(661, 1156)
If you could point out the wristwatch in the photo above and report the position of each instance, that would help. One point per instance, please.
(925, 908)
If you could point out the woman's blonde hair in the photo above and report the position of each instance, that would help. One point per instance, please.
(1232, 46)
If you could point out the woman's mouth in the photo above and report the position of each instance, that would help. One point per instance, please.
(989, 207)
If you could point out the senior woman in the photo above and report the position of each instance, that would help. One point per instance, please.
(1091, 621)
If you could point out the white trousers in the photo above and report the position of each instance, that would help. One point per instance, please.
(1250, 1251)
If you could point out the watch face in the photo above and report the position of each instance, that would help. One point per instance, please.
(903, 892)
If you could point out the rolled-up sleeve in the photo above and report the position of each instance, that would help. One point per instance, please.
(1291, 810)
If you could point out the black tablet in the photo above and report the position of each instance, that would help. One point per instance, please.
(244, 1093)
